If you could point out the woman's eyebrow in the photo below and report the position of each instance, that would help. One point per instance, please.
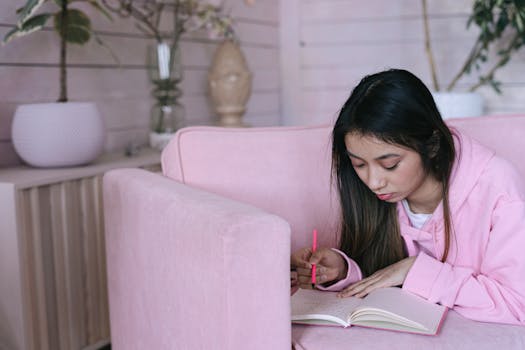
(384, 156)
(388, 155)
(353, 155)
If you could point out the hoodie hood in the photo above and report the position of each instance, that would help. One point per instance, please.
(470, 161)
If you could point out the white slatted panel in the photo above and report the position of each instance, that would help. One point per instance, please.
(63, 242)
(63, 263)
(52, 250)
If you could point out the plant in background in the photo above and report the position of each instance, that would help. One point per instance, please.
(164, 58)
(186, 16)
(72, 25)
(502, 30)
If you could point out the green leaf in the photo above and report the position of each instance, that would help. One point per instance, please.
(519, 23)
(28, 10)
(31, 25)
(504, 61)
(77, 26)
(501, 24)
(78, 35)
(496, 86)
(13, 33)
(77, 17)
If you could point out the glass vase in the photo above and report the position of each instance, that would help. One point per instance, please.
(165, 73)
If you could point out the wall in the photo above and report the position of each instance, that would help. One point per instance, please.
(306, 56)
(29, 73)
(331, 44)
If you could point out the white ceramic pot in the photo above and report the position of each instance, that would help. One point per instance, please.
(58, 134)
(459, 104)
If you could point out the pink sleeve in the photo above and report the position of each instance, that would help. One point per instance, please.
(353, 275)
(494, 294)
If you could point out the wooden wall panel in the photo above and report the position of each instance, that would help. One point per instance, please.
(334, 43)
(410, 29)
(29, 71)
(340, 41)
(343, 10)
(8, 155)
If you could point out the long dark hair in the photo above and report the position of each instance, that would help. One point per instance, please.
(396, 107)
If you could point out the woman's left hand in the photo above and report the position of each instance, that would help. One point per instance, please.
(390, 276)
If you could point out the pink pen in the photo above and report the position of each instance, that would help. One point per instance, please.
(314, 248)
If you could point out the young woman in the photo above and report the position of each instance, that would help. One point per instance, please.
(423, 207)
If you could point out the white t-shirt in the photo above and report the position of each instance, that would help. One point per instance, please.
(416, 219)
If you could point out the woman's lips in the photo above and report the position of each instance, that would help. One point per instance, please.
(385, 197)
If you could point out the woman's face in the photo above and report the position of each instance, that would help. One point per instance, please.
(391, 171)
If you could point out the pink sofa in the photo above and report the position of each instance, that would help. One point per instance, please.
(199, 258)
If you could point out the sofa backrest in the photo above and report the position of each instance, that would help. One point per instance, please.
(282, 170)
(504, 134)
(286, 170)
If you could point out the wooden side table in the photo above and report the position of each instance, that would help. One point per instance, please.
(53, 289)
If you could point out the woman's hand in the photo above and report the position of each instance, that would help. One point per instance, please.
(331, 266)
(390, 276)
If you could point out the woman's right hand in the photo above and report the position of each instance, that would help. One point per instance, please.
(331, 266)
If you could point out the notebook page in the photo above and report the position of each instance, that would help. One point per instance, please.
(308, 303)
(407, 305)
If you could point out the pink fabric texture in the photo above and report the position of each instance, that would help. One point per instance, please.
(282, 170)
(353, 275)
(199, 258)
(479, 279)
(501, 133)
(456, 333)
(185, 268)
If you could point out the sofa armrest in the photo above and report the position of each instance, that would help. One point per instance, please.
(189, 269)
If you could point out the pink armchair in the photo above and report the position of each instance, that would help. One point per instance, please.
(199, 258)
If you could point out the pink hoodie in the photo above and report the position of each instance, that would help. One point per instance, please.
(483, 277)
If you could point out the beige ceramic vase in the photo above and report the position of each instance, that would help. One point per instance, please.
(230, 84)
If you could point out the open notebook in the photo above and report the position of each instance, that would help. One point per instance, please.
(384, 308)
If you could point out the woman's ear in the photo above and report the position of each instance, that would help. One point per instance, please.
(433, 144)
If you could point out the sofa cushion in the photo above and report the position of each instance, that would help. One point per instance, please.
(504, 134)
(286, 170)
(456, 333)
(282, 170)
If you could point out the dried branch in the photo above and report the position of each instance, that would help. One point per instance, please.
(188, 15)
(428, 47)
(146, 13)
(474, 52)
(505, 56)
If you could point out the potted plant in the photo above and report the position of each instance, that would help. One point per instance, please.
(62, 133)
(164, 55)
(501, 26)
